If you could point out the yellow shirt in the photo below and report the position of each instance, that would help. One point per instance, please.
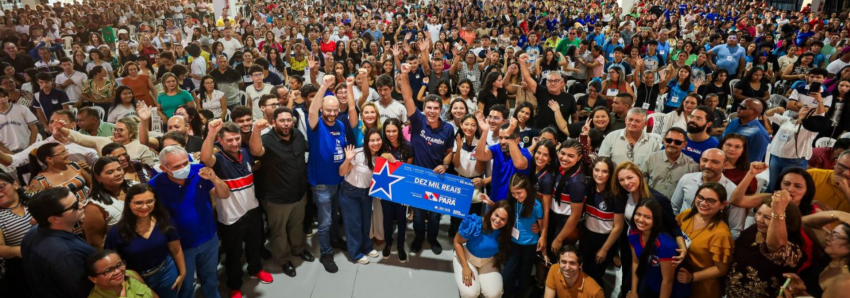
(708, 245)
(585, 286)
(826, 192)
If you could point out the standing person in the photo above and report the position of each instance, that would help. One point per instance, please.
(663, 168)
(282, 185)
(185, 190)
(710, 251)
(700, 122)
(604, 221)
(106, 201)
(396, 148)
(239, 220)
(15, 221)
(568, 280)
(792, 144)
(554, 91)
(651, 279)
(524, 242)
(48, 100)
(569, 195)
(632, 143)
(18, 127)
(148, 242)
(355, 202)
(729, 56)
(508, 158)
(432, 139)
(51, 253)
(326, 135)
(476, 264)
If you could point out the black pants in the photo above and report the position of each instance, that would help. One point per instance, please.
(247, 230)
(626, 261)
(395, 214)
(516, 274)
(592, 242)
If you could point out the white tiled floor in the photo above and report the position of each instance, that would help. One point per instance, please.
(425, 276)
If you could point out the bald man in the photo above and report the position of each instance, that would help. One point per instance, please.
(711, 170)
(175, 123)
(747, 124)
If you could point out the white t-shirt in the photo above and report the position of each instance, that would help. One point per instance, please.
(214, 104)
(230, 46)
(434, 30)
(255, 95)
(835, 66)
(120, 111)
(372, 97)
(14, 127)
(394, 110)
(199, 67)
(76, 88)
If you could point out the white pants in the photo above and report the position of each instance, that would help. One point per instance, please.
(487, 281)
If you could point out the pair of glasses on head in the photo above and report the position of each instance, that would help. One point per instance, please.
(673, 141)
(113, 269)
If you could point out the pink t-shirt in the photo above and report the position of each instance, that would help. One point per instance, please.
(596, 72)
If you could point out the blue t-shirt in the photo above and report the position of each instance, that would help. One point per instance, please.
(49, 103)
(479, 243)
(503, 170)
(523, 224)
(695, 149)
(188, 205)
(728, 58)
(573, 190)
(142, 254)
(665, 250)
(675, 95)
(663, 49)
(545, 184)
(430, 144)
(757, 137)
(327, 145)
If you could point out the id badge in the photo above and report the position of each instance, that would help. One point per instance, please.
(473, 78)
(646, 106)
(674, 99)
(661, 52)
(730, 58)
(515, 233)
(687, 241)
(613, 92)
(54, 101)
(783, 137)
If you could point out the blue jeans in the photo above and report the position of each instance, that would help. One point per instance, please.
(356, 205)
(419, 216)
(203, 260)
(161, 281)
(325, 197)
(778, 164)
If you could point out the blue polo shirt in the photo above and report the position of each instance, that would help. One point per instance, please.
(55, 263)
(523, 224)
(430, 144)
(503, 170)
(49, 103)
(327, 145)
(675, 95)
(727, 57)
(188, 205)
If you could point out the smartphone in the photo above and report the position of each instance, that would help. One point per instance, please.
(815, 87)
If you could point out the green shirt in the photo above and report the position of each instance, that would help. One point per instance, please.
(565, 44)
(135, 288)
(104, 130)
(170, 103)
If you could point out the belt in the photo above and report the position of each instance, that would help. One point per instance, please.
(153, 271)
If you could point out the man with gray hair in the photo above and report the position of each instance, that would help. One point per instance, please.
(185, 190)
(632, 143)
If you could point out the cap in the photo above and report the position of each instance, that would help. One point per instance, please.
(123, 31)
(845, 50)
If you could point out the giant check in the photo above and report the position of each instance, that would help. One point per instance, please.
(421, 188)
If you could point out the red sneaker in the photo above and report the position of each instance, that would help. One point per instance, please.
(264, 277)
(235, 294)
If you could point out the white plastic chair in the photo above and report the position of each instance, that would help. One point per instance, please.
(824, 142)
(67, 42)
(132, 31)
(732, 83)
(243, 98)
(100, 112)
(845, 135)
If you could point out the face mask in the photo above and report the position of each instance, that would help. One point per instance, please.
(181, 173)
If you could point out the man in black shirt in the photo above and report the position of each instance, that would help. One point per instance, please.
(175, 124)
(20, 62)
(554, 91)
(282, 186)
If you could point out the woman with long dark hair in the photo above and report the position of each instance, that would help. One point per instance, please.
(15, 221)
(604, 220)
(652, 252)
(753, 85)
(492, 91)
(211, 98)
(480, 246)
(679, 86)
(836, 248)
(106, 199)
(839, 110)
(395, 149)
(717, 86)
(524, 114)
(123, 105)
(133, 169)
(149, 243)
(525, 243)
(354, 199)
(141, 84)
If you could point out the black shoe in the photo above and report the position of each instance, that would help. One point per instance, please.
(388, 249)
(308, 231)
(307, 256)
(339, 244)
(402, 255)
(416, 246)
(289, 269)
(265, 254)
(328, 262)
(436, 247)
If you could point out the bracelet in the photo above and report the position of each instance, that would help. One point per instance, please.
(777, 216)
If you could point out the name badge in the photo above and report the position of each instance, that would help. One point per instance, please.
(473, 78)
(783, 137)
(729, 58)
(612, 92)
(611, 55)
(674, 99)
(661, 52)
(515, 233)
(54, 101)
(646, 106)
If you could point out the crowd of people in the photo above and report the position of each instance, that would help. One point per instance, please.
(696, 148)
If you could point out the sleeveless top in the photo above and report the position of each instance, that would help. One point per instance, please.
(77, 184)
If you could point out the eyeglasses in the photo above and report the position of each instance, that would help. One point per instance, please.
(840, 168)
(74, 206)
(743, 107)
(144, 203)
(674, 141)
(554, 81)
(4, 185)
(835, 236)
(113, 269)
(710, 202)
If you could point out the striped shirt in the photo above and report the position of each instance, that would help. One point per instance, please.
(14, 227)
(236, 172)
(599, 215)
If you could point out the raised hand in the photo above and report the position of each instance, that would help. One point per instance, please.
(349, 152)
(405, 68)
(349, 81)
(757, 168)
(482, 122)
(523, 58)
(424, 45)
(780, 201)
(207, 173)
(261, 124)
(396, 51)
(328, 81)
(312, 63)
(214, 127)
(143, 111)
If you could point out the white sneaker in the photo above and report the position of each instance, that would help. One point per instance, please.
(364, 260)
(374, 254)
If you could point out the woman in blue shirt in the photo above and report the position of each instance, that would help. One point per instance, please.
(476, 264)
(653, 273)
(678, 85)
(146, 240)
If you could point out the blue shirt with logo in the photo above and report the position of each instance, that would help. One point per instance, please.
(430, 144)
(327, 145)
(503, 170)
(523, 224)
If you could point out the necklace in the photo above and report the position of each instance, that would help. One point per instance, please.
(759, 239)
(13, 207)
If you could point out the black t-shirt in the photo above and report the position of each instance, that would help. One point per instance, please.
(748, 91)
(229, 76)
(722, 92)
(545, 116)
(647, 94)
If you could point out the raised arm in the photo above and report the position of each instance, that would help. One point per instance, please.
(424, 56)
(353, 117)
(520, 161)
(144, 113)
(482, 152)
(316, 105)
(531, 84)
(738, 197)
(207, 156)
(513, 70)
(406, 92)
(256, 142)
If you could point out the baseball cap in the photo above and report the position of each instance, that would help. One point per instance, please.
(123, 31)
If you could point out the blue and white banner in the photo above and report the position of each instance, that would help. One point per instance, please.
(421, 188)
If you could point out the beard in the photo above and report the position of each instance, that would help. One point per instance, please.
(693, 128)
(284, 132)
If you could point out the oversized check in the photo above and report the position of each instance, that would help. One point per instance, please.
(421, 188)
